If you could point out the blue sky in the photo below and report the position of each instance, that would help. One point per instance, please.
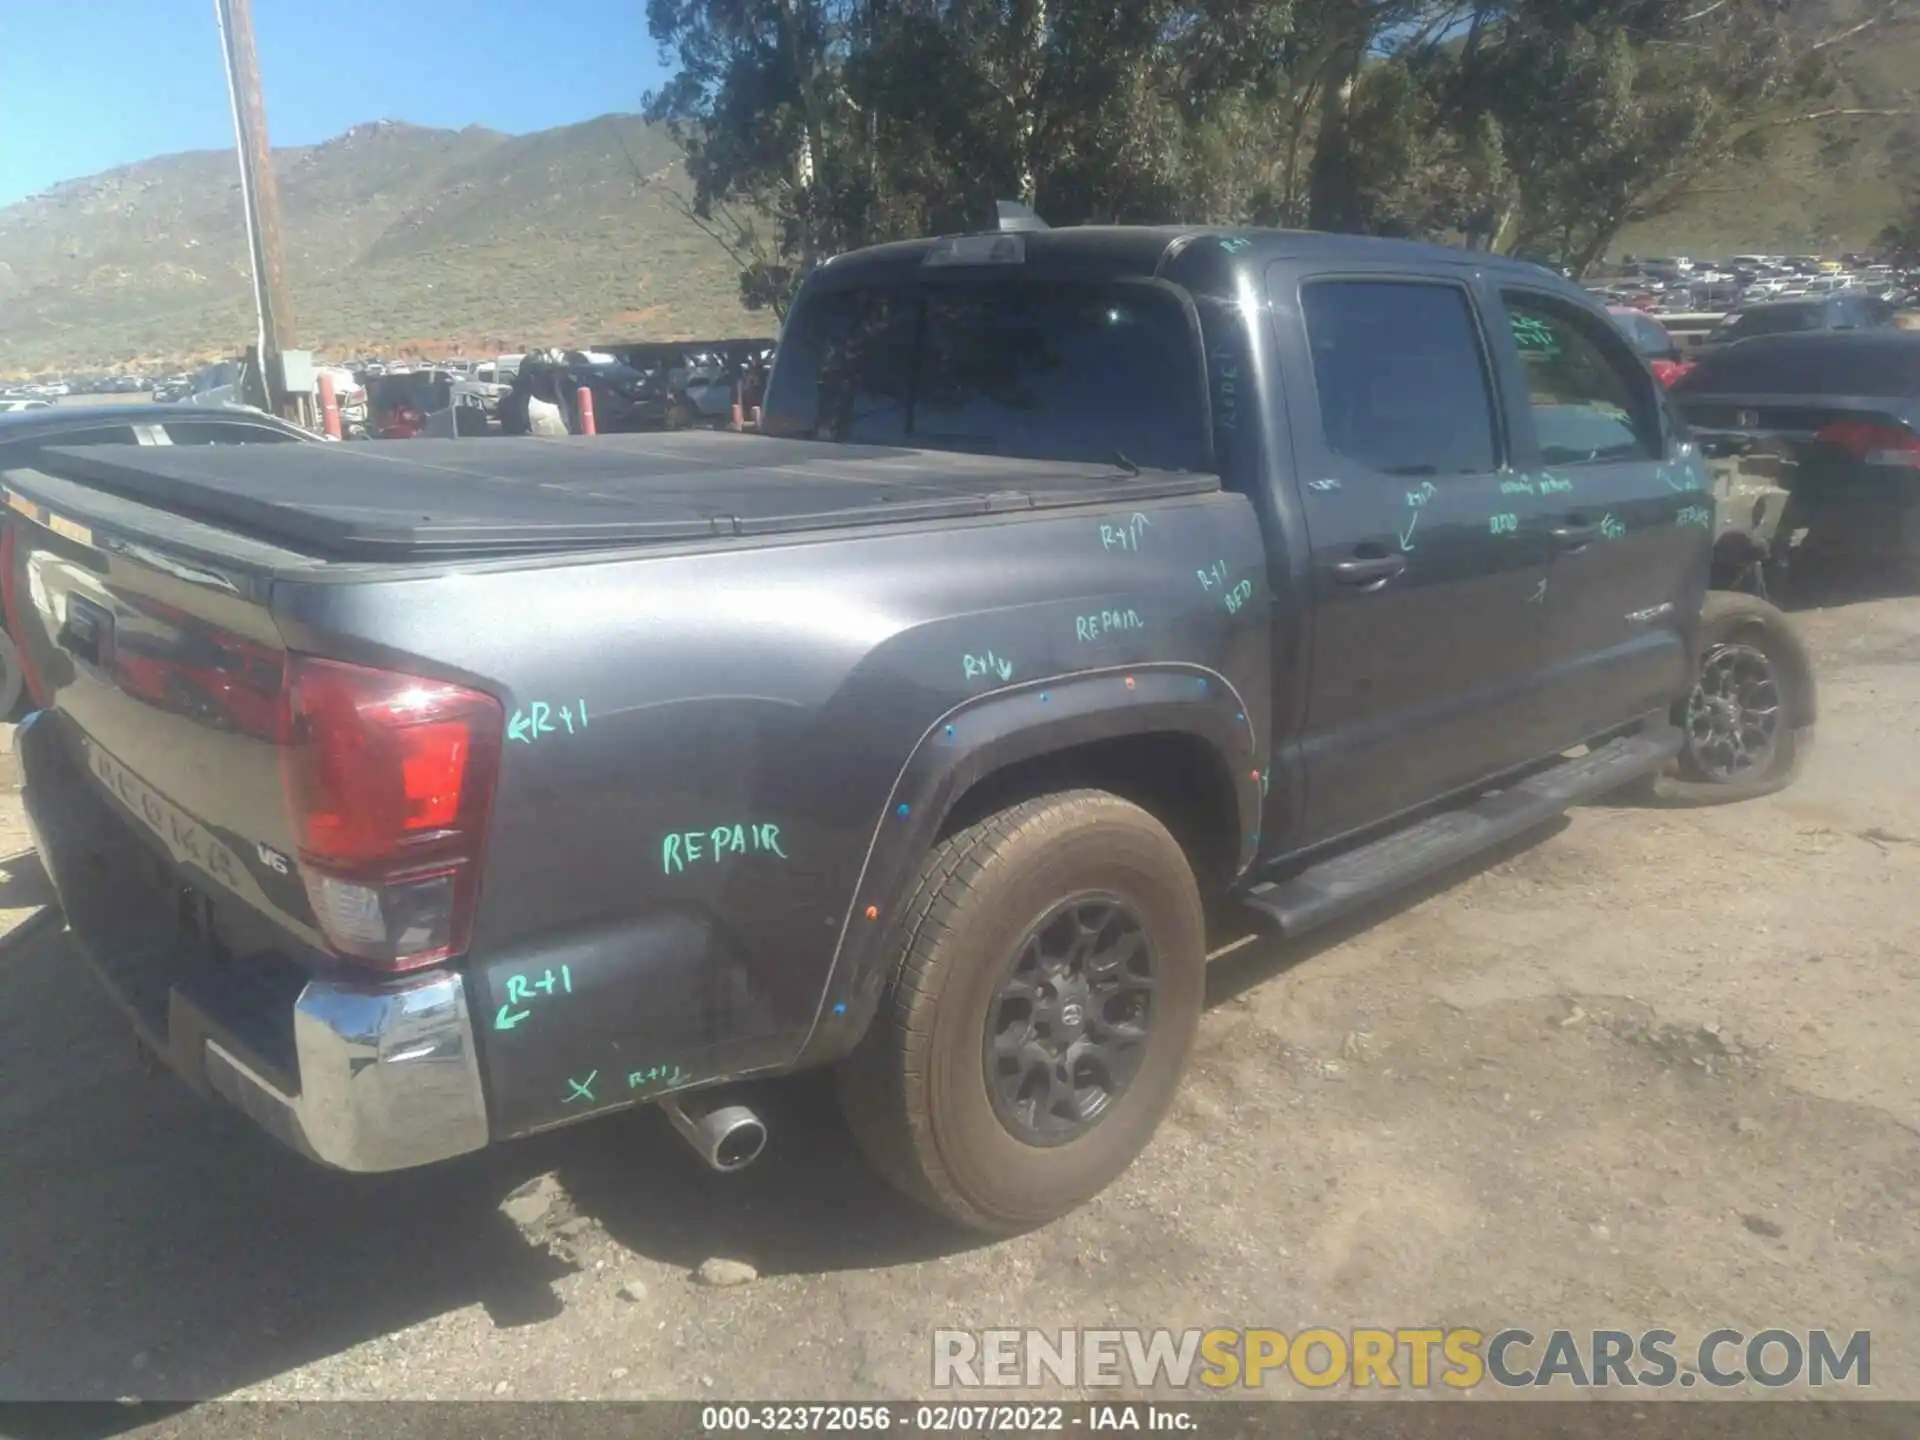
(90, 84)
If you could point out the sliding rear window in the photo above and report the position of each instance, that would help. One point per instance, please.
(1046, 371)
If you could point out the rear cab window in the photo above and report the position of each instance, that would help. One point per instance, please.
(217, 432)
(1402, 376)
(1046, 370)
(1589, 395)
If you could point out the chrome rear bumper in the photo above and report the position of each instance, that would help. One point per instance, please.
(377, 1076)
(388, 1079)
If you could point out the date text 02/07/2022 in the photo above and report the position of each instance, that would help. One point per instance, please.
(948, 1419)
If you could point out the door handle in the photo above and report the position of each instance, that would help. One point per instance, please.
(1572, 534)
(1368, 569)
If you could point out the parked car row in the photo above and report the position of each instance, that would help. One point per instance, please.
(1681, 284)
(635, 387)
(640, 387)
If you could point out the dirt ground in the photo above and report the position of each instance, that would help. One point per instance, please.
(1653, 1069)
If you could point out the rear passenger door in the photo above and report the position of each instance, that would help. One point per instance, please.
(1426, 559)
(1628, 522)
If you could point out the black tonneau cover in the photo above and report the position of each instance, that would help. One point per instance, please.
(380, 500)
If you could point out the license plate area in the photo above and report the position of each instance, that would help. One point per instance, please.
(159, 933)
(190, 844)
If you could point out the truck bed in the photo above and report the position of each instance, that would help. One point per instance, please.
(449, 499)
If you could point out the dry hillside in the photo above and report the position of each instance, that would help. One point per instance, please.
(1831, 186)
(395, 235)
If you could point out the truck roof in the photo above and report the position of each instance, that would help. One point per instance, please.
(1142, 250)
(450, 499)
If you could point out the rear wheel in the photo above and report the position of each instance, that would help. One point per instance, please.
(1041, 1016)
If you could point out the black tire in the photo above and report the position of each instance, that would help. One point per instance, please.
(917, 1092)
(13, 681)
(1747, 639)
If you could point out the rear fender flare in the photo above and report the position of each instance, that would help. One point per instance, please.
(985, 734)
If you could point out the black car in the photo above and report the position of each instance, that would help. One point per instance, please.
(1843, 410)
(24, 434)
(1793, 317)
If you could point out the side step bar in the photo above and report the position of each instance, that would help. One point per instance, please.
(1344, 883)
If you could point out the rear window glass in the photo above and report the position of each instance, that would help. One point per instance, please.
(215, 432)
(1044, 371)
(1822, 365)
(1402, 377)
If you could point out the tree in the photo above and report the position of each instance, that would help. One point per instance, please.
(1537, 126)
(1900, 241)
(845, 122)
(1617, 111)
(759, 105)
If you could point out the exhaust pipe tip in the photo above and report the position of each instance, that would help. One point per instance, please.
(727, 1137)
(742, 1141)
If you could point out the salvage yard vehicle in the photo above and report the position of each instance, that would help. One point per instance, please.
(705, 379)
(626, 399)
(1811, 315)
(1839, 417)
(1078, 578)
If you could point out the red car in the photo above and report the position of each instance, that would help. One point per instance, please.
(1652, 339)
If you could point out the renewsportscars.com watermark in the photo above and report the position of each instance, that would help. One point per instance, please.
(1360, 1359)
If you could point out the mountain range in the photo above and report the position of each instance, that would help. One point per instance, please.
(397, 239)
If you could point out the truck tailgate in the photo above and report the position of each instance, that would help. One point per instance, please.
(157, 675)
(284, 810)
(154, 784)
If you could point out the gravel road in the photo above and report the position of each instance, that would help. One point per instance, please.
(1653, 1068)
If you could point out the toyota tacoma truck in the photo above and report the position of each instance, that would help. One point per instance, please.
(417, 797)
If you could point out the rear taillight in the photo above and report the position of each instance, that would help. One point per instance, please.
(389, 782)
(9, 546)
(1872, 443)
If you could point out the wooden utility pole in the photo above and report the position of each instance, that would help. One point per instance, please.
(259, 195)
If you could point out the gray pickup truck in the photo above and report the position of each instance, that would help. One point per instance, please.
(413, 797)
